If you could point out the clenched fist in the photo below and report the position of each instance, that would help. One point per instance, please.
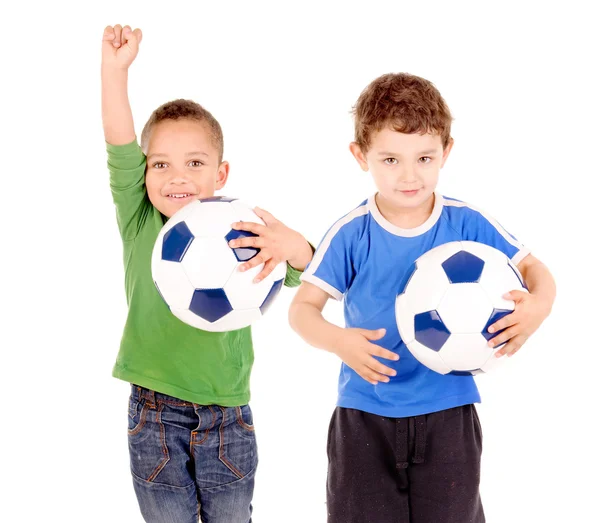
(120, 46)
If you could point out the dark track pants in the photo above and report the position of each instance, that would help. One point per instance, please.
(422, 469)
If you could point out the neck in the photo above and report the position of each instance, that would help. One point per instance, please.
(405, 217)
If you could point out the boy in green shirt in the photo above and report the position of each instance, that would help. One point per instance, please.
(191, 437)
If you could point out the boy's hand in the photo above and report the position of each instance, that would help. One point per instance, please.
(530, 311)
(355, 349)
(120, 46)
(276, 242)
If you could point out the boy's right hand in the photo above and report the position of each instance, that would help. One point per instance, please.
(355, 349)
(120, 46)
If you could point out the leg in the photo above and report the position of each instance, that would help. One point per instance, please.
(367, 478)
(159, 443)
(226, 460)
(445, 487)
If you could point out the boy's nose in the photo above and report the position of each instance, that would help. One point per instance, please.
(407, 175)
(178, 178)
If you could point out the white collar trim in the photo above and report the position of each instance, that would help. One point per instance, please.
(409, 233)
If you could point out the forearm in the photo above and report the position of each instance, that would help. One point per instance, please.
(540, 282)
(307, 320)
(116, 111)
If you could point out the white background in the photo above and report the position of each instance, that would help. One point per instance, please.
(521, 79)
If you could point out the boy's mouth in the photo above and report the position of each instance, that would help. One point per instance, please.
(179, 196)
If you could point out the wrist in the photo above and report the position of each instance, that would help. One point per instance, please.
(546, 303)
(114, 69)
(302, 255)
(336, 343)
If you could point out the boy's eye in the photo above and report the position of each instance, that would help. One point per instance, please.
(390, 161)
(196, 163)
(159, 165)
(425, 159)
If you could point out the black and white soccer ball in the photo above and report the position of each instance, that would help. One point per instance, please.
(196, 272)
(449, 298)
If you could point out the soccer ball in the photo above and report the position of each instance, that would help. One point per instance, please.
(448, 299)
(196, 272)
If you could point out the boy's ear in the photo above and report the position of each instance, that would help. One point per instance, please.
(447, 150)
(359, 155)
(222, 175)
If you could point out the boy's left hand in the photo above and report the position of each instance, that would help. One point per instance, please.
(530, 311)
(276, 242)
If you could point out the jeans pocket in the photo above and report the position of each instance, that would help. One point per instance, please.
(148, 451)
(237, 441)
(138, 412)
(135, 405)
(244, 419)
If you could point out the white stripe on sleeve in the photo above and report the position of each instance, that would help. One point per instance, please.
(523, 251)
(322, 250)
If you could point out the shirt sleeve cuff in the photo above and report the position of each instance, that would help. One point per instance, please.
(323, 285)
(128, 156)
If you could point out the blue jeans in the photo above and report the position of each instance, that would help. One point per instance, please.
(191, 461)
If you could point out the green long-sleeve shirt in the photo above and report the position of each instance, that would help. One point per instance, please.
(158, 351)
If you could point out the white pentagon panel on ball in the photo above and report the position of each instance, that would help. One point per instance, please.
(244, 212)
(439, 254)
(209, 262)
(180, 215)
(211, 219)
(426, 288)
(496, 280)
(492, 362)
(279, 272)
(236, 319)
(428, 357)
(405, 319)
(465, 352)
(192, 319)
(243, 293)
(155, 259)
(173, 284)
(465, 308)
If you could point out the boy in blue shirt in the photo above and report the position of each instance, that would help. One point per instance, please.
(404, 442)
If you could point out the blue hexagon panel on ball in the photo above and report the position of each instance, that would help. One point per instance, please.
(197, 274)
(447, 302)
(242, 253)
(176, 242)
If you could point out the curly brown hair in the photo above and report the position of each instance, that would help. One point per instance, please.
(406, 103)
(177, 109)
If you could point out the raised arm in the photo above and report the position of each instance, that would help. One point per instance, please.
(119, 48)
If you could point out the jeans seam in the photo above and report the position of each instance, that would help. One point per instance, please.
(175, 403)
(231, 483)
(165, 449)
(206, 432)
(222, 457)
(136, 477)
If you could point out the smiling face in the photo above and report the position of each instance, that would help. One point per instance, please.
(182, 164)
(405, 169)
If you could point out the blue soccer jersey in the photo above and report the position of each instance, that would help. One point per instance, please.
(362, 260)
